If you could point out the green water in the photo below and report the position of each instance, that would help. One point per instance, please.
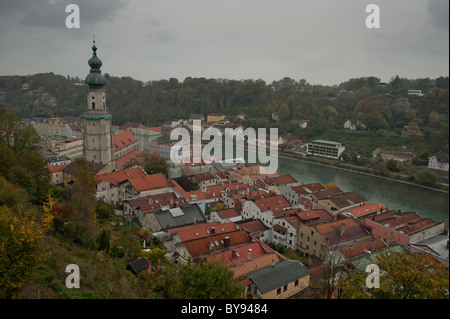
(393, 194)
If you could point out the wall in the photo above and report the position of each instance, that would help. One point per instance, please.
(291, 289)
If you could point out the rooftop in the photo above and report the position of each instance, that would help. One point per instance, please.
(278, 275)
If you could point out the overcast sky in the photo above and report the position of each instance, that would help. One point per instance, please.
(323, 41)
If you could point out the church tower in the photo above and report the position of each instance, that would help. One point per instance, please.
(97, 125)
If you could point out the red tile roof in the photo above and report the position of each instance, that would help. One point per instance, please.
(253, 226)
(280, 180)
(274, 203)
(57, 168)
(227, 213)
(114, 178)
(313, 187)
(204, 176)
(361, 249)
(239, 254)
(213, 243)
(130, 157)
(314, 216)
(123, 139)
(333, 226)
(149, 182)
(279, 228)
(364, 210)
(204, 230)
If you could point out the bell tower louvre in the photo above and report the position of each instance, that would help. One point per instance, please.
(97, 124)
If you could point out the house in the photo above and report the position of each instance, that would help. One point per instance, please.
(303, 123)
(279, 281)
(246, 258)
(173, 218)
(197, 231)
(225, 215)
(57, 174)
(439, 162)
(138, 207)
(123, 143)
(285, 230)
(94, 168)
(365, 210)
(264, 208)
(108, 184)
(145, 185)
(214, 117)
(255, 228)
(342, 201)
(203, 180)
(210, 245)
(317, 239)
(402, 227)
(271, 183)
(137, 266)
(144, 136)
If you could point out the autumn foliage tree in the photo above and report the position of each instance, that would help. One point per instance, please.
(20, 250)
(403, 276)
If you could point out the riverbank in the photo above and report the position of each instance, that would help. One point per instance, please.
(353, 169)
(348, 167)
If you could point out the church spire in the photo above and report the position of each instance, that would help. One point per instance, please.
(95, 78)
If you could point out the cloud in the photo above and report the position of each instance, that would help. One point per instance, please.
(52, 14)
(438, 10)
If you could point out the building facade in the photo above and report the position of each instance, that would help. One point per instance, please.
(324, 148)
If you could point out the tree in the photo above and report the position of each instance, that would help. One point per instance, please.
(103, 241)
(83, 201)
(204, 280)
(154, 255)
(20, 250)
(427, 177)
(403, 276)
(332, 272)
(154, 164)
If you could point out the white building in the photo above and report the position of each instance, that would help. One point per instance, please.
(323, 148)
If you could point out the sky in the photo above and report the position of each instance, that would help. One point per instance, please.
(324, 42)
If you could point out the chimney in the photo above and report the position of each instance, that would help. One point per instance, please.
(226, 242)
(233, 254)
(273, 262)
(211, 245)
(341, 229)
(213, 230)
(249, 254)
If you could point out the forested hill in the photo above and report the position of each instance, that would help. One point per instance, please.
(386, 106)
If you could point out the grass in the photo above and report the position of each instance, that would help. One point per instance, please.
(101, 276)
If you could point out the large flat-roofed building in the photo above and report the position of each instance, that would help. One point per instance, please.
(325, 148)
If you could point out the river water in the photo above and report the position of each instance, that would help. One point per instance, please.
(393, 194)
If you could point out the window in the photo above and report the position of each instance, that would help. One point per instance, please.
(296, 283)
(93, 105)
(278, 291)
(285, 288)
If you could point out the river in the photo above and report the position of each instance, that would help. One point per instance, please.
(393, 194)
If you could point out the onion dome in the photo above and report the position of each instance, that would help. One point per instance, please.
(95, 78)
